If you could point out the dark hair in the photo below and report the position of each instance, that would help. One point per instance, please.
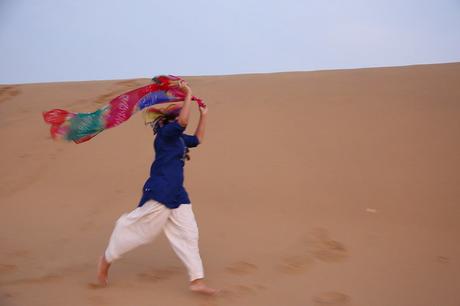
(161, 121)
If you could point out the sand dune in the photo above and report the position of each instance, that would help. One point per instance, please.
(312, 188)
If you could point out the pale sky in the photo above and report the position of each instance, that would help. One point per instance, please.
(72, 40)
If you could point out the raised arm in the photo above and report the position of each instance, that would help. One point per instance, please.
(199, 133)
(184, 114)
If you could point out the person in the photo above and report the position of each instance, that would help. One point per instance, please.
(165, 204)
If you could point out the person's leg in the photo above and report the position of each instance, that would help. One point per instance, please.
(136, 228)
(182, 232)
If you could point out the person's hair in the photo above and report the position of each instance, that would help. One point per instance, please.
(161, 121)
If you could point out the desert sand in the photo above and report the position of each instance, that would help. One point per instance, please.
(335, 187)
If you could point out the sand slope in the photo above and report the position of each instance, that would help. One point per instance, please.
(312, 188)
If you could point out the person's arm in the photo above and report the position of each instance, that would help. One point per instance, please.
(184, 114)
(200, 129)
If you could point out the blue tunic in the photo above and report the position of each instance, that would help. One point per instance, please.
(165, 184)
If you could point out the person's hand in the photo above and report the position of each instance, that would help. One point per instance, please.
(203, 110)
(184, 87)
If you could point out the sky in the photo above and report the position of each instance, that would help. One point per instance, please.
(76, 40)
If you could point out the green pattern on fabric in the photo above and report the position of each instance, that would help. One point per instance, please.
(86, 124)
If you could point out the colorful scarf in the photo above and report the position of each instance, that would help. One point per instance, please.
(81, 127)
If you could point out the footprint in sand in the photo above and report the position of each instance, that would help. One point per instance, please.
(6, 268)
(33, 280)
(5, 298)
(159, 275)
(332, 298)
(241, 268)
(323, 248)
(7, 92)
(25, 156)
(20, 253)
(238, 291)
(296, 264)
(442, 259)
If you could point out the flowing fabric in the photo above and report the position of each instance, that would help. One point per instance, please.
(81, 127)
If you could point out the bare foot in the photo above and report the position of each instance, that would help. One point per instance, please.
(199, 286)
(102, 271)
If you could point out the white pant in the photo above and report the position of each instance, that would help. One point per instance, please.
(144, 223)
